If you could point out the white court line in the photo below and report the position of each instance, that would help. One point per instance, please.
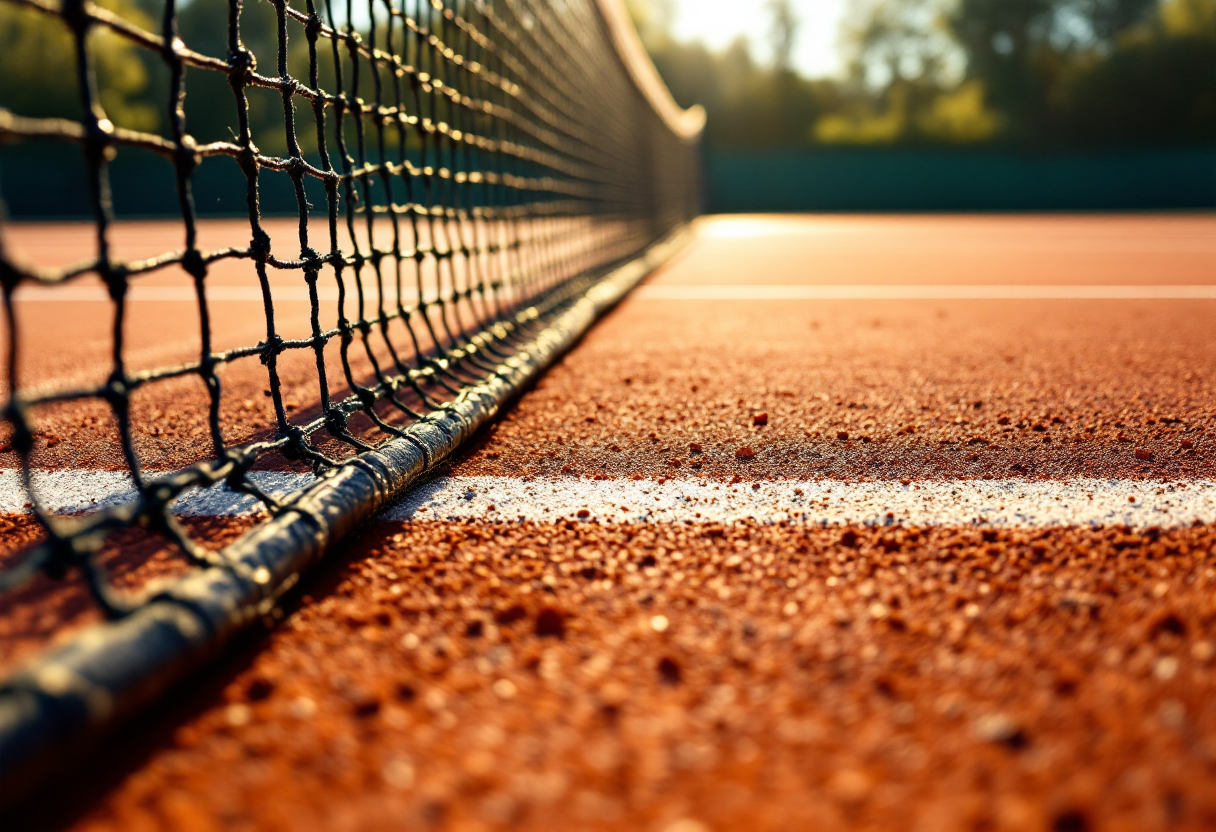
(859, 237)
(923, 292)
(996, 503)
(246, 294)
(77, 491)
(1030, 503)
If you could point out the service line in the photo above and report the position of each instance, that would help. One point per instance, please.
(923, 292)
(998, 503)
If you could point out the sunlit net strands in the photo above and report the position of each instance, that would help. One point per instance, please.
(464, 174)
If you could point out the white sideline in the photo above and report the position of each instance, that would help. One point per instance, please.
(79, 491)
(996, 503)
(922, 292)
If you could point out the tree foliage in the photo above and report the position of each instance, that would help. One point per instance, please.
(1030, 73)
(783, 33)
(38, 71)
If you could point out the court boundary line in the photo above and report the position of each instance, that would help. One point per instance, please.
(823, 292)
(496, 499)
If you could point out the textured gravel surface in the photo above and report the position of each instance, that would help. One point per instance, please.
(660, 677)
(891, 390)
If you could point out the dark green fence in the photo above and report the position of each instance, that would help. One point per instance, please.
(50, 181)
(959, 180)
(47, 181)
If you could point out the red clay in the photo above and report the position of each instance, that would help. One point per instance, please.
(872, 369)
(682, 678)
(66, 344)
(616, 677)
(934, 250)
(875, 390)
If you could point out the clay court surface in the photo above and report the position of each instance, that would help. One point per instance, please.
(836, 523)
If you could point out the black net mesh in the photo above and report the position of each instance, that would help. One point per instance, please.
(460, 171)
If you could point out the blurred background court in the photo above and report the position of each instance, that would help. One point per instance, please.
(813, 105)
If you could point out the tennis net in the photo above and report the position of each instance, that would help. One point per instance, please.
(474, 182)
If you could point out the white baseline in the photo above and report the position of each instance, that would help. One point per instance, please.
(988, 503)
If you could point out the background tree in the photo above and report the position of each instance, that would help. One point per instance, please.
(38, 68)
(1023, 73)
(1154, 84)
(783, 33)
(1028, 73)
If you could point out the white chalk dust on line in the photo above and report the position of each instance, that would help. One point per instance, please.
(1007, 503)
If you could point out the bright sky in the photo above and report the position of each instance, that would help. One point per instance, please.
(717, 22)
